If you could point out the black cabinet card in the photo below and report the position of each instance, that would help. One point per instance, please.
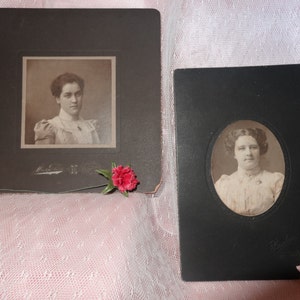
(80, 90)
(238, 172)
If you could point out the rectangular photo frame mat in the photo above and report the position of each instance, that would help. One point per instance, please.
(118, 33)
(216, 243)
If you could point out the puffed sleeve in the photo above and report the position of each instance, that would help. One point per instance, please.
(278, 183)
(44, 133)
(96, 125)
(221, 185)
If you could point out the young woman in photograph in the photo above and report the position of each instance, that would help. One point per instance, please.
(250, 190)
(68, 127)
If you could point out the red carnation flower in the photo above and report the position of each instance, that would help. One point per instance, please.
(124, 179)
(119, 177)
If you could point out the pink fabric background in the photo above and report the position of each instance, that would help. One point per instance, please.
(90, 246)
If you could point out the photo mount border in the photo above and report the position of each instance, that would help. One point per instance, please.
(217, 244)
(113, 143)
(115, 31)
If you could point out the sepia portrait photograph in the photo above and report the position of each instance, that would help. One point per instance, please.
(69, 102)
(247, 167)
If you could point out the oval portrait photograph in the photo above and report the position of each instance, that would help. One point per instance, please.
(247, 167)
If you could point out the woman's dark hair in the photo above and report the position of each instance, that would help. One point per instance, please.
(257, 133)
(58, 83)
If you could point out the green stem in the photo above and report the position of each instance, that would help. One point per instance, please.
(63, 192)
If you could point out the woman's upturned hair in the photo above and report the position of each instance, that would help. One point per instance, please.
(258, 134)
(58, 83)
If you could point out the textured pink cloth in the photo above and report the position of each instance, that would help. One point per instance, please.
(90, 246)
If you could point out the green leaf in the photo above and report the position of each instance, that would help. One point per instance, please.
(109, 188)
(106, 173)
(113, 165)
(125, 194)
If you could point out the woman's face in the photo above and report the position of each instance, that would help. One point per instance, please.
(70, 99)
(246, 152)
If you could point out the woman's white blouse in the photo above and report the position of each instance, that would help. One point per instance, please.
(249, 194)
(62, 130)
